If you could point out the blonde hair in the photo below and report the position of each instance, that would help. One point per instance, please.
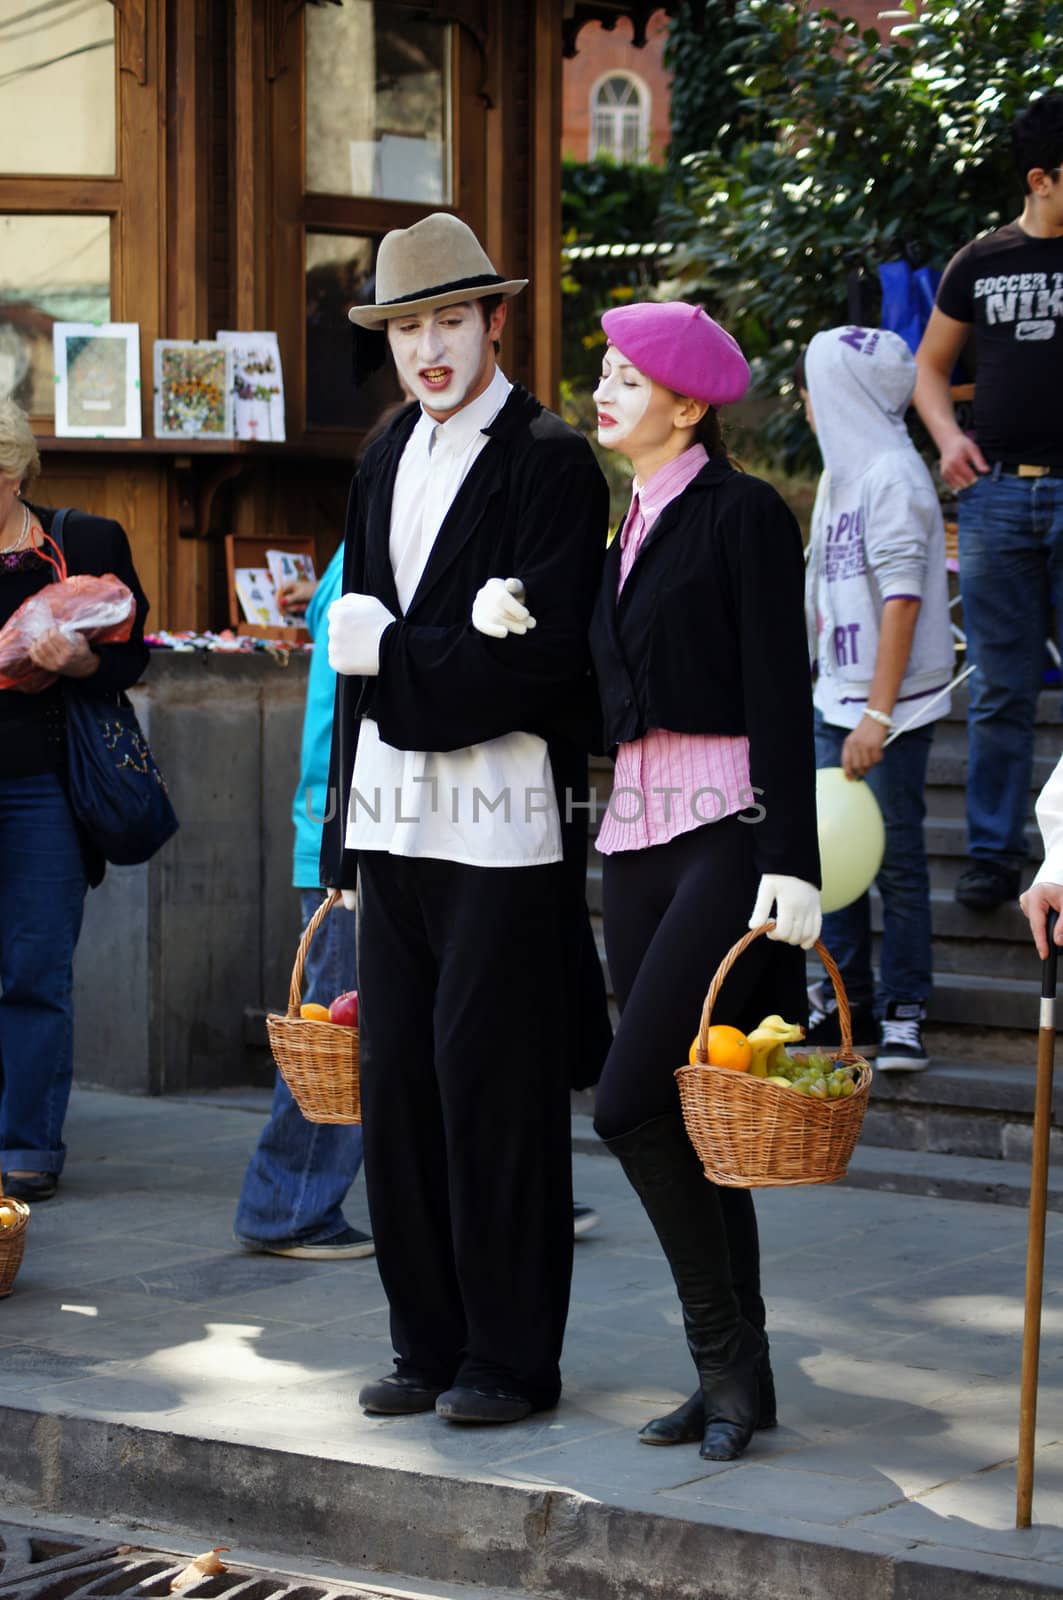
(18, 447)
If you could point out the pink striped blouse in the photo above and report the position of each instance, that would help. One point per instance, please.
(665, 783)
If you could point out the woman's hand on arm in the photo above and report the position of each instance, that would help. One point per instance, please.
(69, 655)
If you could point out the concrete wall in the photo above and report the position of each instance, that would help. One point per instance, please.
(173, 953)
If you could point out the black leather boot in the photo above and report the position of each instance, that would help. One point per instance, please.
(686, 1424)
(688, 1219)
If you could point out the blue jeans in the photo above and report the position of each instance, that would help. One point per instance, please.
(42, 896)
(903, 879)
(1011, 574)
(298, 1177)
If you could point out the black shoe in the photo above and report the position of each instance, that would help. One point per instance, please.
(482, 1405)
(985, 885)
(686, 1424)
(584, 1218)
(902, 1048)
(347, 1245)
(37, 1186)
(396, 1396)
(824, 1029)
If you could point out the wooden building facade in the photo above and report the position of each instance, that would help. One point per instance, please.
(193, 165)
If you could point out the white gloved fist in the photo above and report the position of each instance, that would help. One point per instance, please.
(798, 916)
(349, 897)
(498, 608)
(356, 624)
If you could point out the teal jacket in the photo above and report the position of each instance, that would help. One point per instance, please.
(308, 812)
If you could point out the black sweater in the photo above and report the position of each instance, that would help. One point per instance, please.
(708, 636)
(32, 726)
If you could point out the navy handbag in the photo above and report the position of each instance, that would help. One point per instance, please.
(116, 790)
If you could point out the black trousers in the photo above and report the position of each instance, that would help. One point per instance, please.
(671, 913)
(466, 1117)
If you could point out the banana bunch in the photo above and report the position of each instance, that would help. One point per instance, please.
(769, 1040)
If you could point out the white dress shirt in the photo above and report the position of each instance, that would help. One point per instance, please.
(1049, 811)
(492, 804)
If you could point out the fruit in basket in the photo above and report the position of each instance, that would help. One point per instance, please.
(728, 1047)
(785, 1083)
(8, 1215)
(769, 1040)
(310, 1011)
(344, 1009)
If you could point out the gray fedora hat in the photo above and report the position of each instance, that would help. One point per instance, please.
(437, 262)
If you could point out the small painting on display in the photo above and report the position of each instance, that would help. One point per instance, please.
(257, 384)
(97, 380)
(193, 389)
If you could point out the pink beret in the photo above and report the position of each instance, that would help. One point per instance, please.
(680, 346)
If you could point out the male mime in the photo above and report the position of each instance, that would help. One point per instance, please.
(459, 773)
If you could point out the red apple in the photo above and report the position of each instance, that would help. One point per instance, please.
(344, 1009)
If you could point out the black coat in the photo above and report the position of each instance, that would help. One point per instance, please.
(97, 545)
(534, 506)
(708, 636)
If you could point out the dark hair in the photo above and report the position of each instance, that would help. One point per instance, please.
(489, 304)
(798, 372)
(1037, 137)
(709, 433)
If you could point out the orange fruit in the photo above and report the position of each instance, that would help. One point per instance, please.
(313, 1012)
(728, 1047)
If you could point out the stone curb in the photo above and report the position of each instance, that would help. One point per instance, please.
(543, 1542)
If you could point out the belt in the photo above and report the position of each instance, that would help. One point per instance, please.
(1026, 469)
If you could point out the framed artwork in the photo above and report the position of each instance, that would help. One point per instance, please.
(97, 380)
(193, 389)
(258, 387)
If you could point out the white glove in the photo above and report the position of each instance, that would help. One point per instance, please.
(356, 624)
(798, 917)
(349, 898)
(497, 609)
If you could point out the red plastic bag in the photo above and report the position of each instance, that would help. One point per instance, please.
(102, 609)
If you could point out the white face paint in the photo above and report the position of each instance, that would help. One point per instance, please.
(622, 396)
(443, 356)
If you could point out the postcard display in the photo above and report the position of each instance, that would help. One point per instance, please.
(97, 380)
(257, 587)
(257, 385)
(193, 389)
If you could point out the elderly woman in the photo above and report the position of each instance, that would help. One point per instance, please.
(699, 649)
(45, 864)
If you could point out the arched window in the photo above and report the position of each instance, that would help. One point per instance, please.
(620, 118)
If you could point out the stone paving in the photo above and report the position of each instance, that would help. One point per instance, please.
(895, 1319)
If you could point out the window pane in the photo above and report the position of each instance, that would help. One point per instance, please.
(52, 269)
(378, 103)
(338, 273)
(57, 86)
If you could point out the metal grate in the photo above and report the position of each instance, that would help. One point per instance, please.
(36, 1564)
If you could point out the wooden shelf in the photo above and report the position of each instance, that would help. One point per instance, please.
(333, 447)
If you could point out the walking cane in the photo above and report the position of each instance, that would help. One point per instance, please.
(1035, 1247)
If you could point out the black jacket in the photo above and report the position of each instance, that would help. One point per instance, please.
(708, 636)
(97, 545)
(534, 506)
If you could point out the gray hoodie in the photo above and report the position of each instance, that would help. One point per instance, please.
(877, 532)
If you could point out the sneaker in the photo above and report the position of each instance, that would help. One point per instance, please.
(584, 1218)
(901, 1048)
(350, 1245)
(824, 1029)
(985, 885)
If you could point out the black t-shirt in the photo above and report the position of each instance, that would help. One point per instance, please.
(1010, 286)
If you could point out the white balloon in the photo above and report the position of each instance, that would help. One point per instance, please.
(852, 837)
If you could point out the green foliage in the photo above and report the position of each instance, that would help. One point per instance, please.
(607, 202)
(603, 202)
(851, 150)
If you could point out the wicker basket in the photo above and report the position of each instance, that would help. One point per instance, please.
(318, 1060)
(750, 1134)
(12, 1243)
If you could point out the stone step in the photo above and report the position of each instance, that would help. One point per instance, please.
(986, 1001)
(947, 836)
